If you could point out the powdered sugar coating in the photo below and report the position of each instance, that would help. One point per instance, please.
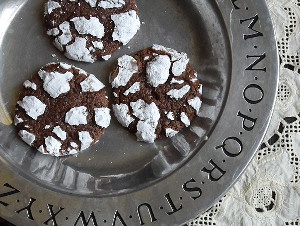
(91, 84)
(60, 133)
(108, 4)
(179, 93)
(92, 2)
(102, 117)
(200, 89)
(185, 119)
(122, 114)
(33, 106)
(179, 66)
(181, 59)
(17, 120)
(81, 71)
(127, 67)
(77, 116)
(78, 51)
(195, 103)
(149, 116)
(85, 139)
(175, 81)
(65, 65)
(175, 55)
(28, 84)
(158, 70)
(170, 115)
(56, 83)
(53, 31)
(90, 26)
(98, 44)
(133, 89)
(42, 150)
(53, 146)
(195, 78)
(74, 145)
(145, 111)
(126, 26)
(146, 131)
(106, 57)
(72, 151)
(27, 137)
(170, 132)
(50, 6)
(65, 37)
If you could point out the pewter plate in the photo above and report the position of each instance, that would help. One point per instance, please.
(119, 181)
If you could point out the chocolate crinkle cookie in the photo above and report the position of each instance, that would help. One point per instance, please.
(156, 92)
(62, 110)
(88, 30)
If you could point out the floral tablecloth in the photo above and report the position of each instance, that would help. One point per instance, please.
(268, 193)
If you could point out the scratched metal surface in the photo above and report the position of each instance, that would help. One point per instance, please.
(119, 173)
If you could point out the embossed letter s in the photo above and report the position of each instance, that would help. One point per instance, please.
(192, 189)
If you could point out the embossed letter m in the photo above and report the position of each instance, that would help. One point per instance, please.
(251, 25)
(83, 220)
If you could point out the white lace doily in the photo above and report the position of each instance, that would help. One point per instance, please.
(268, 193)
